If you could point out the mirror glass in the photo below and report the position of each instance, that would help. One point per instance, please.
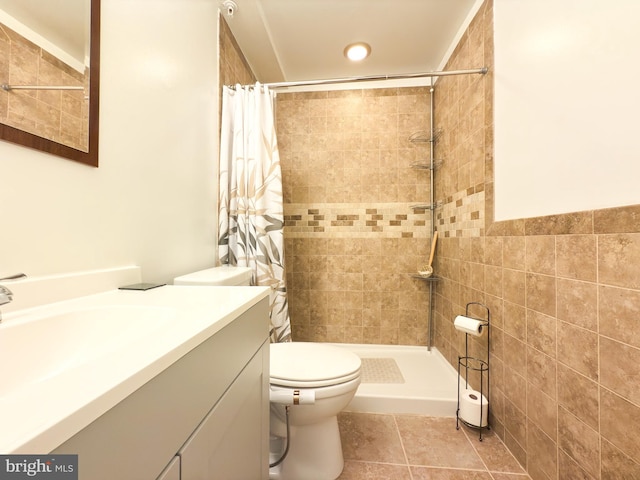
(49, 76)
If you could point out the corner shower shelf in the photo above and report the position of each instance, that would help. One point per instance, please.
(427, 166)
(423, 137)
(426, 206)
(432, 278)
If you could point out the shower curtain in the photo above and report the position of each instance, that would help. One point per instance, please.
(251, 217)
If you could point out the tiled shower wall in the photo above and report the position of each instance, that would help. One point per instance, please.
(61, 116)
(351, 238)
(232, 64)
(564, 294)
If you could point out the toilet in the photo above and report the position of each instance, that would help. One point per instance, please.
(313, 381)
(330, 375)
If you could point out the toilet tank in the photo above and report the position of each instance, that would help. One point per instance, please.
(217, 276)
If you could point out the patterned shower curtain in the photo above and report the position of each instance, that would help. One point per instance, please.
(251, 217)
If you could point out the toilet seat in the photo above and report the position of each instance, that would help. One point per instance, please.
(308, 365)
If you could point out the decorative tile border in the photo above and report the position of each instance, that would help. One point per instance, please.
(462, 215)
(356, 220)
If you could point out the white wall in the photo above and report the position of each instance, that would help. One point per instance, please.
(566, 103)
(152, 201)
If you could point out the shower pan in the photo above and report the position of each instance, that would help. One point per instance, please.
(404, 379)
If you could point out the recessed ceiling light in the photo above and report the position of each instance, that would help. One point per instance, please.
(357, 51)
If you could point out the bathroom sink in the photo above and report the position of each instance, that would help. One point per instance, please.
(66, 363)
(40, 346)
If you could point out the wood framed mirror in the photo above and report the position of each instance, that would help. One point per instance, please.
(84, 103)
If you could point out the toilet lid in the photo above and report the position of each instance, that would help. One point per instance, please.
(307, 364)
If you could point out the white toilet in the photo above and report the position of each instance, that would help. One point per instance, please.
(321, 378)
(330, 375)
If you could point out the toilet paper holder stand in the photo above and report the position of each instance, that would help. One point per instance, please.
(475, 364)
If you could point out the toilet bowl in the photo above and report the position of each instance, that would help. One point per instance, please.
(325, 377)
(331, 375)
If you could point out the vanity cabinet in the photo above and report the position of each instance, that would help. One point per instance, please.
(225, 444)
(206, 416)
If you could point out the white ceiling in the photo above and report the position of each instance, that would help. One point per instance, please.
(293, 40)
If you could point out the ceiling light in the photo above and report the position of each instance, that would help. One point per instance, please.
(357, 51)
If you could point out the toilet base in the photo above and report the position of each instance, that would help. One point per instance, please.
(315, 453)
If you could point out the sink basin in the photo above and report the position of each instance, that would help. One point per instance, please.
(36, 347)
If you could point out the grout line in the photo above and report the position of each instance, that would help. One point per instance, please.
(464, 431)
(598, 339)
(459, 469)
(376, 462)
(558, 326)
(404, 451)
(524, 474)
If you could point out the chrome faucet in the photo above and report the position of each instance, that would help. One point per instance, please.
(5, 294)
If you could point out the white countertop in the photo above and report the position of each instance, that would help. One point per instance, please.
(38, 416)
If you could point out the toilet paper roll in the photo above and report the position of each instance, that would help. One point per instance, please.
(474, 408)
(469, 325)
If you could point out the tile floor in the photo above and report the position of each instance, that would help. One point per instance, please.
(417, 447)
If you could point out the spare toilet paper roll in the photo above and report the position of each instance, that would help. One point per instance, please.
(472, 406)
(469, 325)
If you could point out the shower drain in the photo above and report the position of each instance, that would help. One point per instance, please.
(380, 370)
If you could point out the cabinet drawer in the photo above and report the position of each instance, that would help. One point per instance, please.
(227, 443)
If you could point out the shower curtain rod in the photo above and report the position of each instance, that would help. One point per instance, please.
(331, 81)
(7, 88)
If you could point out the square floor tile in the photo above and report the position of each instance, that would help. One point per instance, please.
(372, 438)
(435, 442)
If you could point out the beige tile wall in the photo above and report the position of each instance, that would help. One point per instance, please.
(232, 64)
(564, 293)
(352, 240)
(61, 116)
